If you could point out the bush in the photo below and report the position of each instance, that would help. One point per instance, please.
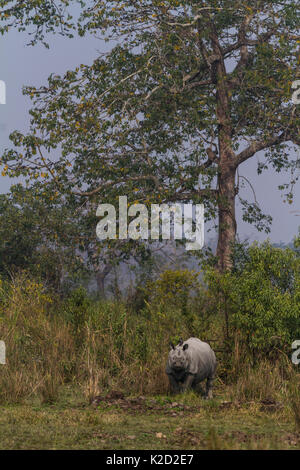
(261, 298)
(76, 312)
(174, 287)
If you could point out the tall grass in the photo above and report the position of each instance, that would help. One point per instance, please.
(94, 344)
(39, 346)
(100, 346)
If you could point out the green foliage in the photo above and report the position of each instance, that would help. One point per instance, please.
(76, 311)
(173, 288)
(143, 119)
(297, 242)
(38, 17)
(104, 345)
(38, 235)
(262, 297)
(178, 297)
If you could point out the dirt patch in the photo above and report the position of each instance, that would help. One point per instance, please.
(293, 439)
(142, 404)
(270, 405)
(186, 438)
(241, 436)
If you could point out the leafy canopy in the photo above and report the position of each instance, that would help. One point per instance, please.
(36, 17)
(148, 118)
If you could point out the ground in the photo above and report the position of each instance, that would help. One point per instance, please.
(114, 421)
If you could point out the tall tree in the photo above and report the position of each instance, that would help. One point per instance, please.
(39, 235)
(57, 241)
(192, 90)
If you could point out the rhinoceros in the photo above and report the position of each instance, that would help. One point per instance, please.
(189, 363)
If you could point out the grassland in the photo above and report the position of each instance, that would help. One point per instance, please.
(148, 422)
(81, 374)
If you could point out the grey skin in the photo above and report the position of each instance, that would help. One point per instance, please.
(189, 363)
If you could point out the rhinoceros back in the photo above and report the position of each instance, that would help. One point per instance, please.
(202, 359)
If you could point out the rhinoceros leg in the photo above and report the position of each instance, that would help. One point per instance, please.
(175, 387)
(209, 384)
(198, 389)
(188, 382)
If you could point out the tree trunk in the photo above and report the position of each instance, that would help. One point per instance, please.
(227, 164)
(100, 278)
(227, 222)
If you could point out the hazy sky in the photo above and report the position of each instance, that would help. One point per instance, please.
(22, 65)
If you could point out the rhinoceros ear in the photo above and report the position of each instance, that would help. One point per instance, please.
(172, 346)
(185, 346)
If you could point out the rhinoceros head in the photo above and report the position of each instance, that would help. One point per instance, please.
(178, 358)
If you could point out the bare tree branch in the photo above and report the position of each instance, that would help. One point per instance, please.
(258, 145)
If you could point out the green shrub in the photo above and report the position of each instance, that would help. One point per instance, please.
(174, 287)
(76, 311)
(261, 298)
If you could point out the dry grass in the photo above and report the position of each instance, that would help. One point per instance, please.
(37, 346)
(112, 348)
